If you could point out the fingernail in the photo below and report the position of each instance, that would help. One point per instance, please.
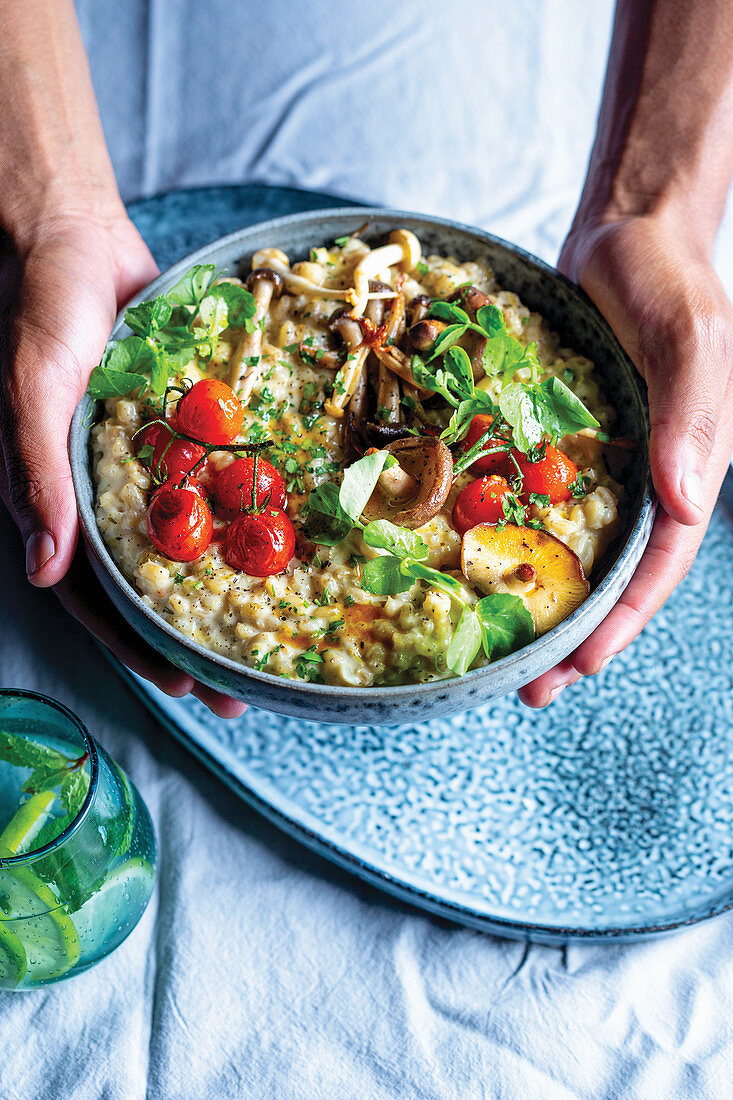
(555, 692)
(692, 489)
(39, 548)
(607, 662)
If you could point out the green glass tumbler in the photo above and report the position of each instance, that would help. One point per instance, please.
(77, 846)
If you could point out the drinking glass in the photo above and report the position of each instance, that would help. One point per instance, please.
(77, 847)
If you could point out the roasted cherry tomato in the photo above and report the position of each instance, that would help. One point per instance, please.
(233, 487)
(497, 463)
(260, 543)
(191, 483)
(172, 458)
(210, 411)
(480, 502)
(179, 523)
(552, 476)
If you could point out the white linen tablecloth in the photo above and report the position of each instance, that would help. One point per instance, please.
(259, 970)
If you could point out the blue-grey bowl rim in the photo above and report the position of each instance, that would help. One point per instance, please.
(80, 460)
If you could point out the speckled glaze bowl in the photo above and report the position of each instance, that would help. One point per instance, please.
(569, 312)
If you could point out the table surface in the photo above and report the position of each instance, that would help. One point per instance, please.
(261, 970)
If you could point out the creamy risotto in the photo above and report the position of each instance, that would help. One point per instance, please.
(352, 359)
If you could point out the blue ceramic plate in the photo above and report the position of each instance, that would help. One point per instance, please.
(569, 313)
(607, 816)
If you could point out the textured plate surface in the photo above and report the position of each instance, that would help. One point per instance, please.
(609, 815)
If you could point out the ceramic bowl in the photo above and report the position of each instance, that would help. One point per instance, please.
(569, 312)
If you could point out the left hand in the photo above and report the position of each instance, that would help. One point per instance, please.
(667, 306)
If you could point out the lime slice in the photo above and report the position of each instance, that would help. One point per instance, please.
(26, 823)
(39, 923)
(106, 918)
(13, 963)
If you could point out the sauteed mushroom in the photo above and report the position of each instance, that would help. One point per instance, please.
(414, 491)
(424, 334)
(417, 309)
(264, 284)
(403, 248)
(471, 298)
(277, 261)
(528, 563)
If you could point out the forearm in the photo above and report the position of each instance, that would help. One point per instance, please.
(52, 149)
(664, 143)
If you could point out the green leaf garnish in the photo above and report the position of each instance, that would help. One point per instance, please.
(400, 541)
(191, 287)
(465, 643)
(383, 576)
(506, 624)
(447, 311)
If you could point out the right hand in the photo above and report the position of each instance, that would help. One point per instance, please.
(77, 272)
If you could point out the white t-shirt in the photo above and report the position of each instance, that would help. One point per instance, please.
(484, 112)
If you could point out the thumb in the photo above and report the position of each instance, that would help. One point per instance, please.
(39, 395)
(687, 396)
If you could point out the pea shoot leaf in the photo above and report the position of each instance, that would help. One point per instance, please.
(383, 576)
(518, 406)
(460, 421)
(359, 481)
(333, 511)
(326, 521)
(506, 624)
(447, 311)
(458, 366)
(213, 313)
(447, 338)
(400, 541)
(442, 581)
(465, 643)
(563, 411)
(549, 408)
(491, 319)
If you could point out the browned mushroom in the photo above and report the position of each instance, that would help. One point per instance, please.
(377, 307)
(418, 309)
(349, 378)
(347, 333)
(264, 284)
(414, 491)
(471, 298)
(388, 395)
(424, 334)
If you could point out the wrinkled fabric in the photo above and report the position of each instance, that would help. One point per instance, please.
(259, 970)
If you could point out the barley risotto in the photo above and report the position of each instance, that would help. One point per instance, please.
(368, 467)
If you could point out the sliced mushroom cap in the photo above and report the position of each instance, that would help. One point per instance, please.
(411, 493)
(529, 563)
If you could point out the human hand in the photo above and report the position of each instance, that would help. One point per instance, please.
(77, 271)
(665, 303)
